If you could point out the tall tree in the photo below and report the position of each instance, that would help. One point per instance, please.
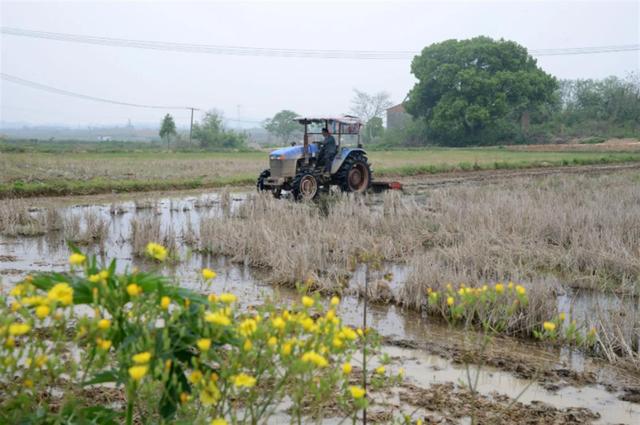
(283, 126)
(368, 106)
(212, 134)
(168, 128)
(477, 91)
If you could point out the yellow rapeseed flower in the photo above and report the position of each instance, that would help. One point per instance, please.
(204, 344)
(219, 421)
(278, 323)
(164, 302)
(248, 345)
(549, 326)
(41, 360)
(138, 372)
(95, 278)
(348, 333)
(272, 342)
(347, 368)
(521, 290)
(212, 298)
(210, 394)
(42, 311)
(380, 370)
(248, 327)
(286, 348)
(217, 318)
(228, 298)
(134, 290)
(18, 290)
(335, 301)
(307, 301)
(156, 251)
(104, 324)
(104, 274)
(450, 301)
(315, 358)
(141, 358)
(337, 342)
(103, 344)
(499, 288)
(184, 397)
(243, 380)
(62, 293)
(562, 316)
(34, 300)
(77, 259)
(357, 392)
(195, 376)
(16, 329)
(208, 274)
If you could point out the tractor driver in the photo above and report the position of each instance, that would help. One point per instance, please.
(328, 150)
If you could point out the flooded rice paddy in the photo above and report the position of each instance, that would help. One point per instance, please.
(429, 351)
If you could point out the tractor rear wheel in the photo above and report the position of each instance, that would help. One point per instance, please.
(305, 186)
(260, 184)
(355, 174)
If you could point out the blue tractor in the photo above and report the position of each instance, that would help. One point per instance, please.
(298, 169)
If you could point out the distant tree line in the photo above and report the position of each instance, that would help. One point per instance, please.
(209, 134)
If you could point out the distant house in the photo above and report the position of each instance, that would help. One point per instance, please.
(105, 138)
(397, 116)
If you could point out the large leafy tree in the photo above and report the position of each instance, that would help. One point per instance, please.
(283, 126)
(477, 91)
(167, 128)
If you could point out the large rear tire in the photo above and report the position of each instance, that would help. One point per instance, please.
(354, 174)
(305, 186)
(261, 187)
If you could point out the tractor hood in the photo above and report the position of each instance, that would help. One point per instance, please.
(294, 152)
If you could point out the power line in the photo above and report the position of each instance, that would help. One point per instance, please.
(43, 87)
(279, 52)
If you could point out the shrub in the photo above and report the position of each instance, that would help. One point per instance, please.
(166, 350)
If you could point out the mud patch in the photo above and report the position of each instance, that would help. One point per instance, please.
(451, 403)
(550, 377)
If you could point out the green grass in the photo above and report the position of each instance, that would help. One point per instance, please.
(57, 174)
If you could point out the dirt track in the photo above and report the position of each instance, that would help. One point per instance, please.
(497, 176)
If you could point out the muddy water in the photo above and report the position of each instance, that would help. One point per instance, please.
(19, 256)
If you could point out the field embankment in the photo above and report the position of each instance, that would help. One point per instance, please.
(76, 173)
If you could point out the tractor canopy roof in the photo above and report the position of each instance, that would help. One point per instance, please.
(344, 124)
(342, 119)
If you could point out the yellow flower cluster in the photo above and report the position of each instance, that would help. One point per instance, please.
(156, 251)
(141, 367)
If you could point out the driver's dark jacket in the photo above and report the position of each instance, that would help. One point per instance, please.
(329, 147)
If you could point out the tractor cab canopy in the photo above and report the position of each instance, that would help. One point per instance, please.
(345, 128)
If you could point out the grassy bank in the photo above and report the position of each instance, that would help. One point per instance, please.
(50, 174)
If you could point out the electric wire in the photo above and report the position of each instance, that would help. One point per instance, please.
(279, 52)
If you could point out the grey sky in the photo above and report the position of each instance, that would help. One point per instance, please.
(254, 88)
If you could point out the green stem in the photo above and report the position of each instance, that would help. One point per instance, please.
(130, 399)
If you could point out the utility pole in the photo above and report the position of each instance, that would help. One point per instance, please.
(191, 126)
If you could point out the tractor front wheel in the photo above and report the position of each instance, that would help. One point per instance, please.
(305, 186)
(355, 174)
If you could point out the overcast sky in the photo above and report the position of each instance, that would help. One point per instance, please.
(253, 88)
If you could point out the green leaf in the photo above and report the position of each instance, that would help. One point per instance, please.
(103, 377)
